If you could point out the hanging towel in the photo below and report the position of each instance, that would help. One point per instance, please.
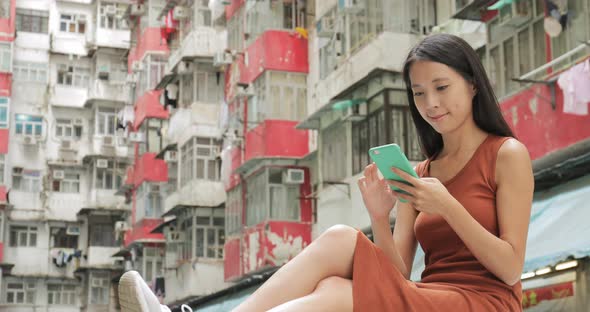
(576, 93)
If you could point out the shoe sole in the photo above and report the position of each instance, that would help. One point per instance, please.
(130, 294)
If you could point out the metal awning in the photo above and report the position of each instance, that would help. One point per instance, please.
(101, 211)
(169, 147)
(169, 77)
(159, 229)
(561, 166)
(123, 252)
(472, 11)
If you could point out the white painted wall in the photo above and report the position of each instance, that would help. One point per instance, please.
(200, 42)
(100, 256)
(194, 279)
(113, 38)
(65, 42)
(202, 193)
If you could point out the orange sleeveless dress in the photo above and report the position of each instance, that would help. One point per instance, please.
(453, 279)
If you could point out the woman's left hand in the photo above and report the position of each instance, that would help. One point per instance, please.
(427, 195)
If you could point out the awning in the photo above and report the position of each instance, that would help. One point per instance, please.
(169, 147)
(473, 10)
(559, 227)
(160, 228)
(165, 81)
(149, 106)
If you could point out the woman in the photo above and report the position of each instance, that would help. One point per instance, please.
(469, 211)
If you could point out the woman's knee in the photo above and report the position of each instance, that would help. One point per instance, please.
(340, 232)
(334, 283)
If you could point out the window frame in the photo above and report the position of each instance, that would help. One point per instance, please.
(69, 294)
(79, 22)
(73, 76)
(30, 17)
(28, 290)
(16, 232)
(29, 69)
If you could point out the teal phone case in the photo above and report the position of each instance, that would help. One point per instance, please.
(390, 155)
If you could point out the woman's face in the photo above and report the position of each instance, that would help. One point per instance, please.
(443, 97)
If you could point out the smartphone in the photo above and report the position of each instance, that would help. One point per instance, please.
(390, 155)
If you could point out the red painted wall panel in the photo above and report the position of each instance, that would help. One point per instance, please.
(150, 169)
(231, 9)
(5, 84)
(276, 138)
(150, 40)
(4, 140)
(232, 268)
(141, 230)
(538, 126)
(149, 106)
(7, 24)
(2, 195)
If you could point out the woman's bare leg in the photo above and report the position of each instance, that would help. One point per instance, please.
(331, 254)
(331, 294)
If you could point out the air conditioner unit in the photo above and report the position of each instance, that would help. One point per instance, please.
(175, 237)
(137, 10)
(516, 14)
(108, 141)
(29, 140)
(73, 230)
(102, 163)
(350, 6)
(185, 67)
(356, 112)
(110, 10)
(221, 59)
(294, 176)
(180, 12)
(154, 188)
(58, 174)
(136, 137)
(103, 73)
(121, 226)
(244, 92)
(17, 171)
(171, 156)
(137, 66)
(325, 27)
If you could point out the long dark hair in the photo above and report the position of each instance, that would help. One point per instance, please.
(460, 56)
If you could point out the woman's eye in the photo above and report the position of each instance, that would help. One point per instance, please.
(418, 93)
(441, 88)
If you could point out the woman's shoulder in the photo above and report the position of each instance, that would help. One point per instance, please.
(512, 159)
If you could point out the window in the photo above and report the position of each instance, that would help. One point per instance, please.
(150, 201)
(25, 180)
(509, 85)
(99, 288)
(283, 198)
(111, 16)
(33, 21)
(72, 23)
(5, 9)
(186, 227)
(3, 112)
(30, 71)
(69, 184)
(63, 294)
(199, 160)
(256, 200)
(186, 90)
(28, 125)
(2, 165)
(5, 57)
(210, 236)
(152, 263)
(233, 210)
(110, 178)
(105, 121)
(73, 76)
(524, 58)
(157, 68)
(66, 130)
(334, 152)
(102, 235)
(23, 236)
(20, 292)
(60, 239)
(209, 87)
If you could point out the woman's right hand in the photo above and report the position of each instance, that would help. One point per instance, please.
(377, 195)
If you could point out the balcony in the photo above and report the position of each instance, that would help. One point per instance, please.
(57, 202)
(149, 169)
(99, 256)
(69, 43)
(149, 106)
(105, 199)
(267, 140)
(110, 146)
(200, 42)
(141, 233)
(69, 96)
(29, 40)
(104, 90)
(268, 244)
(112, 38)
(202, 193)
(27, 205)
(149, 41)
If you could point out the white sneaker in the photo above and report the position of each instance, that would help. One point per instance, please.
(136, 296)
